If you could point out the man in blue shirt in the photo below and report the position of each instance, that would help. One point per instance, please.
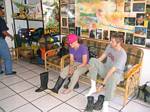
(4, 49)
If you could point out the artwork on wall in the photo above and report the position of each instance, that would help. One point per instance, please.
(148, 43)
(84, 32)
(99, 33)
(139, 40)
(127, 7)
(2, 3)
(64, 22)
(129, 21)
(138, 7)
(129, 18)
(92, 33)
(140, 31)
(140, 19)
(78, 31)
(148, 34)
(51, 15)
(129, 38)
(105, 35)
(36, 11)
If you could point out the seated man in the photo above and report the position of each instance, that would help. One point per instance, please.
(79, 57)
(111, 71)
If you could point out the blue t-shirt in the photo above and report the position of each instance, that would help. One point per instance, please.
(78, 53)
(3, 27)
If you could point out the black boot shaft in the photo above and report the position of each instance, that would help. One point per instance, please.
(44, 82)
(58, 85)
(68, 82)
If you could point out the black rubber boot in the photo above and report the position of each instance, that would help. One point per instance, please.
(90, 104)
(68, 81)
(58, 85)
(44, 82)
(99, 103)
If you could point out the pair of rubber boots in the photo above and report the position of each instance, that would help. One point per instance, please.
(60, 82)
(98, 105)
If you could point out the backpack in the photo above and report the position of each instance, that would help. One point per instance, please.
(93, 52)
(144, 92)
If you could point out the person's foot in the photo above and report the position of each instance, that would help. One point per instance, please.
(66, 91)
(1, 72)
(12, 73)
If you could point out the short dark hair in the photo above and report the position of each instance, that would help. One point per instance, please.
(117, 37)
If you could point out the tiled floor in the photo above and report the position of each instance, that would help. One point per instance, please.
(17, 94)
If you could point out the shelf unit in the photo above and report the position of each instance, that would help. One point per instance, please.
(24, 14)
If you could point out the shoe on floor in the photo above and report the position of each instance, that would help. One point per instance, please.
(1, 72)
(12, 73)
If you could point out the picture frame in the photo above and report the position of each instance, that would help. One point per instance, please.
(140, 19)
(139, 41)
(129, 21)
(85, 32)
(138, 7)
(99, 33)
(92, 33)
(78, 31)
(64, 30)
(105, 35)
(148, 34)
(127, 7)
(147, 44)
(129, 38)
(140, 31)
(64, 22)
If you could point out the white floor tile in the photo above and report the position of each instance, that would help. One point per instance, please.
(31, 95)
(135, 107)
(46, 103)
(3, 76)
(112, 110)
(82, 87)
(27, 108)
(141, 102)
(63, 97)
(78, 102)
(32, 66)
(6, 92)
(20, 70)
(117, 102)
(19, 87)
(15, 65)
(27, 75)
(38, 70)
(12, 103)
(64, 108)
(35, 80)
(1, 85)
(11, 80)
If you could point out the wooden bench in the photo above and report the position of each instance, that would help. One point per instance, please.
(131, 76)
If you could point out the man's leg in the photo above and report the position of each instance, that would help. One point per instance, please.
(76, 75)
(60, 80)
(5, 55)
(110, 89)
(96, 67)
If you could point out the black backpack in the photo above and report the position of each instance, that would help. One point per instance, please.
(144, 92)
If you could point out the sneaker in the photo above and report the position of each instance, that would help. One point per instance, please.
(1, 72)
(12, 73)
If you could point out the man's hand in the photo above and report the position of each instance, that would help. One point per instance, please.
(71, 70)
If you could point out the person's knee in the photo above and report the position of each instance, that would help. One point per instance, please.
(92, 61)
